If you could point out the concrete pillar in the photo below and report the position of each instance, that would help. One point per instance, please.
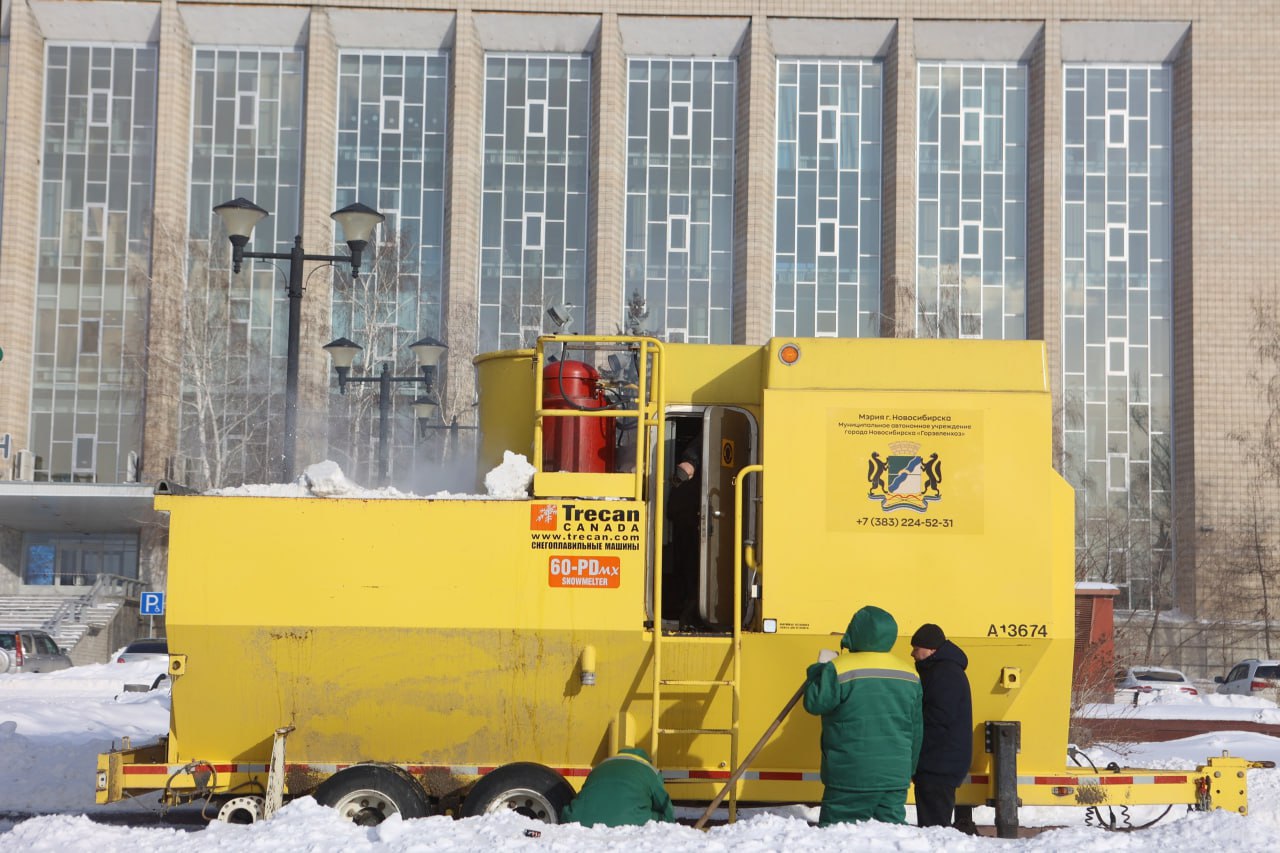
(605, 284)
(898, 237)
(462, 216)
(19, 234)
(753, 190)
(163, 362)
(319, 232)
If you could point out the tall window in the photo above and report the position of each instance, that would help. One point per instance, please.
(96, 185)
(392, 113)
(679, 214)
(533, 232)
(827, 199)
(1117, 323)
(246, 140)
(971, 234)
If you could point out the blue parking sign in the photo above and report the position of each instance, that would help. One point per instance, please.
(151, 604)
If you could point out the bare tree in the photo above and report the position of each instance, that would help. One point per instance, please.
(224, 371)
(384, 311)
(928, 320)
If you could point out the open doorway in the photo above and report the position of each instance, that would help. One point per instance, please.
(705, 450)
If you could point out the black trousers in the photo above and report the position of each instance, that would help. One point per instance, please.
(934, 804)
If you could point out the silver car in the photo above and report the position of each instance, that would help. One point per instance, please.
(25, 650)
(149, 648)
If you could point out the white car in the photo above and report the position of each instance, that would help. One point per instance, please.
(1149, 682)
(1250, 676)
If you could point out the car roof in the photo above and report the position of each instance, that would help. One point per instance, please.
(148, 644)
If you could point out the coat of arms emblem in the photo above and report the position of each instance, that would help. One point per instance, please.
(905, 478)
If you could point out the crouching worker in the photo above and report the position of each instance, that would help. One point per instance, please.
(869, 701)
(624, 790)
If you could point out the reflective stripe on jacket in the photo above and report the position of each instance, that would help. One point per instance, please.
(870, 703)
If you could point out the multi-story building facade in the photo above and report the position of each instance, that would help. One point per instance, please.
(1096, 176)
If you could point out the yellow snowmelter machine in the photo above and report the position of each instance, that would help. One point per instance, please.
(469, 655)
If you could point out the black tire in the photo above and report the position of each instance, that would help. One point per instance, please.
(530, 789)
(368, 794)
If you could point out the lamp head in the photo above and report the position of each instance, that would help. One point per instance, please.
(357, 222)
(428, 351)
(425, 408)
(560, 315)
(343, 352)
(238, 218)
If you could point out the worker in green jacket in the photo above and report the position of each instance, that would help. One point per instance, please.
(870, 703)
(624, 790)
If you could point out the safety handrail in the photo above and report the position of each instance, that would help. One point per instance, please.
(648, 412)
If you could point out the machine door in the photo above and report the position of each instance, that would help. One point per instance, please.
(728, 446)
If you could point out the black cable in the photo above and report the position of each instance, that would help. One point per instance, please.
(1093, 813)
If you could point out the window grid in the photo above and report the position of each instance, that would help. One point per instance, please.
(93, 268)
(1117, 323)
(688, 293)
(828, 198)
(533, 233)
(235, 326)
(971, 215)
(52, 559)
(392, 117)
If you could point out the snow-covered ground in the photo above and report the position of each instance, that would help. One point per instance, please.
(53, 726)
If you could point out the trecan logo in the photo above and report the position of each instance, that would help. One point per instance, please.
(543, 516)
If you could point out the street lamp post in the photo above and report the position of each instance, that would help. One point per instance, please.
(428, 351)
(357, 222)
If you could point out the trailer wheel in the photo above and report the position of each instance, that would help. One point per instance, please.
(526, 788)
(368, 794)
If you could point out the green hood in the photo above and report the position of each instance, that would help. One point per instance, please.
(637, 752)
(870, 630)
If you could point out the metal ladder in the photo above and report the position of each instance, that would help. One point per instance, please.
(734, 642)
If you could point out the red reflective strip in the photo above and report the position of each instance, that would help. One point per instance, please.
(980, 780)
(145, 769)
(1055, 780)
(708, 774)
(482, 770)
(780, 776)
(573, 771)
(1170, 780)
(1116, 780)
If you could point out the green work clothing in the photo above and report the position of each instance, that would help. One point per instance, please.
(847, 806)
(870, 703)
(624, 790)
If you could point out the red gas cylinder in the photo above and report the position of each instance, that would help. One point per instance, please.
(583, 444)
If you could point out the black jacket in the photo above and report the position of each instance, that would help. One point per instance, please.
(947, 751)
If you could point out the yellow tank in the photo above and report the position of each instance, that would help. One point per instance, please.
(475, 654)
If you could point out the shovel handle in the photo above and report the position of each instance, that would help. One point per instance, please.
(751, 756)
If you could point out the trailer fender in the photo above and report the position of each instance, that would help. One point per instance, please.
(533, 790)
(368, 794)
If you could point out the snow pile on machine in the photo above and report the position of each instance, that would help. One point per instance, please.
(510, 480)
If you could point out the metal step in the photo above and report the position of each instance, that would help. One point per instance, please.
(694, 682)
(695, 731)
